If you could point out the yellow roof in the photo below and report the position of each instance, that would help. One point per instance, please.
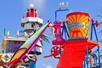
(6, 39)
(16, 38)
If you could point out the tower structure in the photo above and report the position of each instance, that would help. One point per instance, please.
(31, 23)
(78, 43)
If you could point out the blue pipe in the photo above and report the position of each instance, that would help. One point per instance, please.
(98, 49)
(91, 31)
(60, 10)
(85, 60)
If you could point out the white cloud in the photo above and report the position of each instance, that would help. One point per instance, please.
(39, 4)
(48, 66)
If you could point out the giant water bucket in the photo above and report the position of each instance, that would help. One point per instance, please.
(78, 24)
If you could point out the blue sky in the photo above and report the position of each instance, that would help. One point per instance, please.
(11, 12)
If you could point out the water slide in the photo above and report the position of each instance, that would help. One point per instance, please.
(27, 46)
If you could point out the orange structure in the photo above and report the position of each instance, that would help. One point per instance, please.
(75, 48)
(78, 24)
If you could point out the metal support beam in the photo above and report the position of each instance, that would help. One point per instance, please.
(65, 31)
(87, 53)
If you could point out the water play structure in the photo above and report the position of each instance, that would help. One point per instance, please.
(72, 44)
